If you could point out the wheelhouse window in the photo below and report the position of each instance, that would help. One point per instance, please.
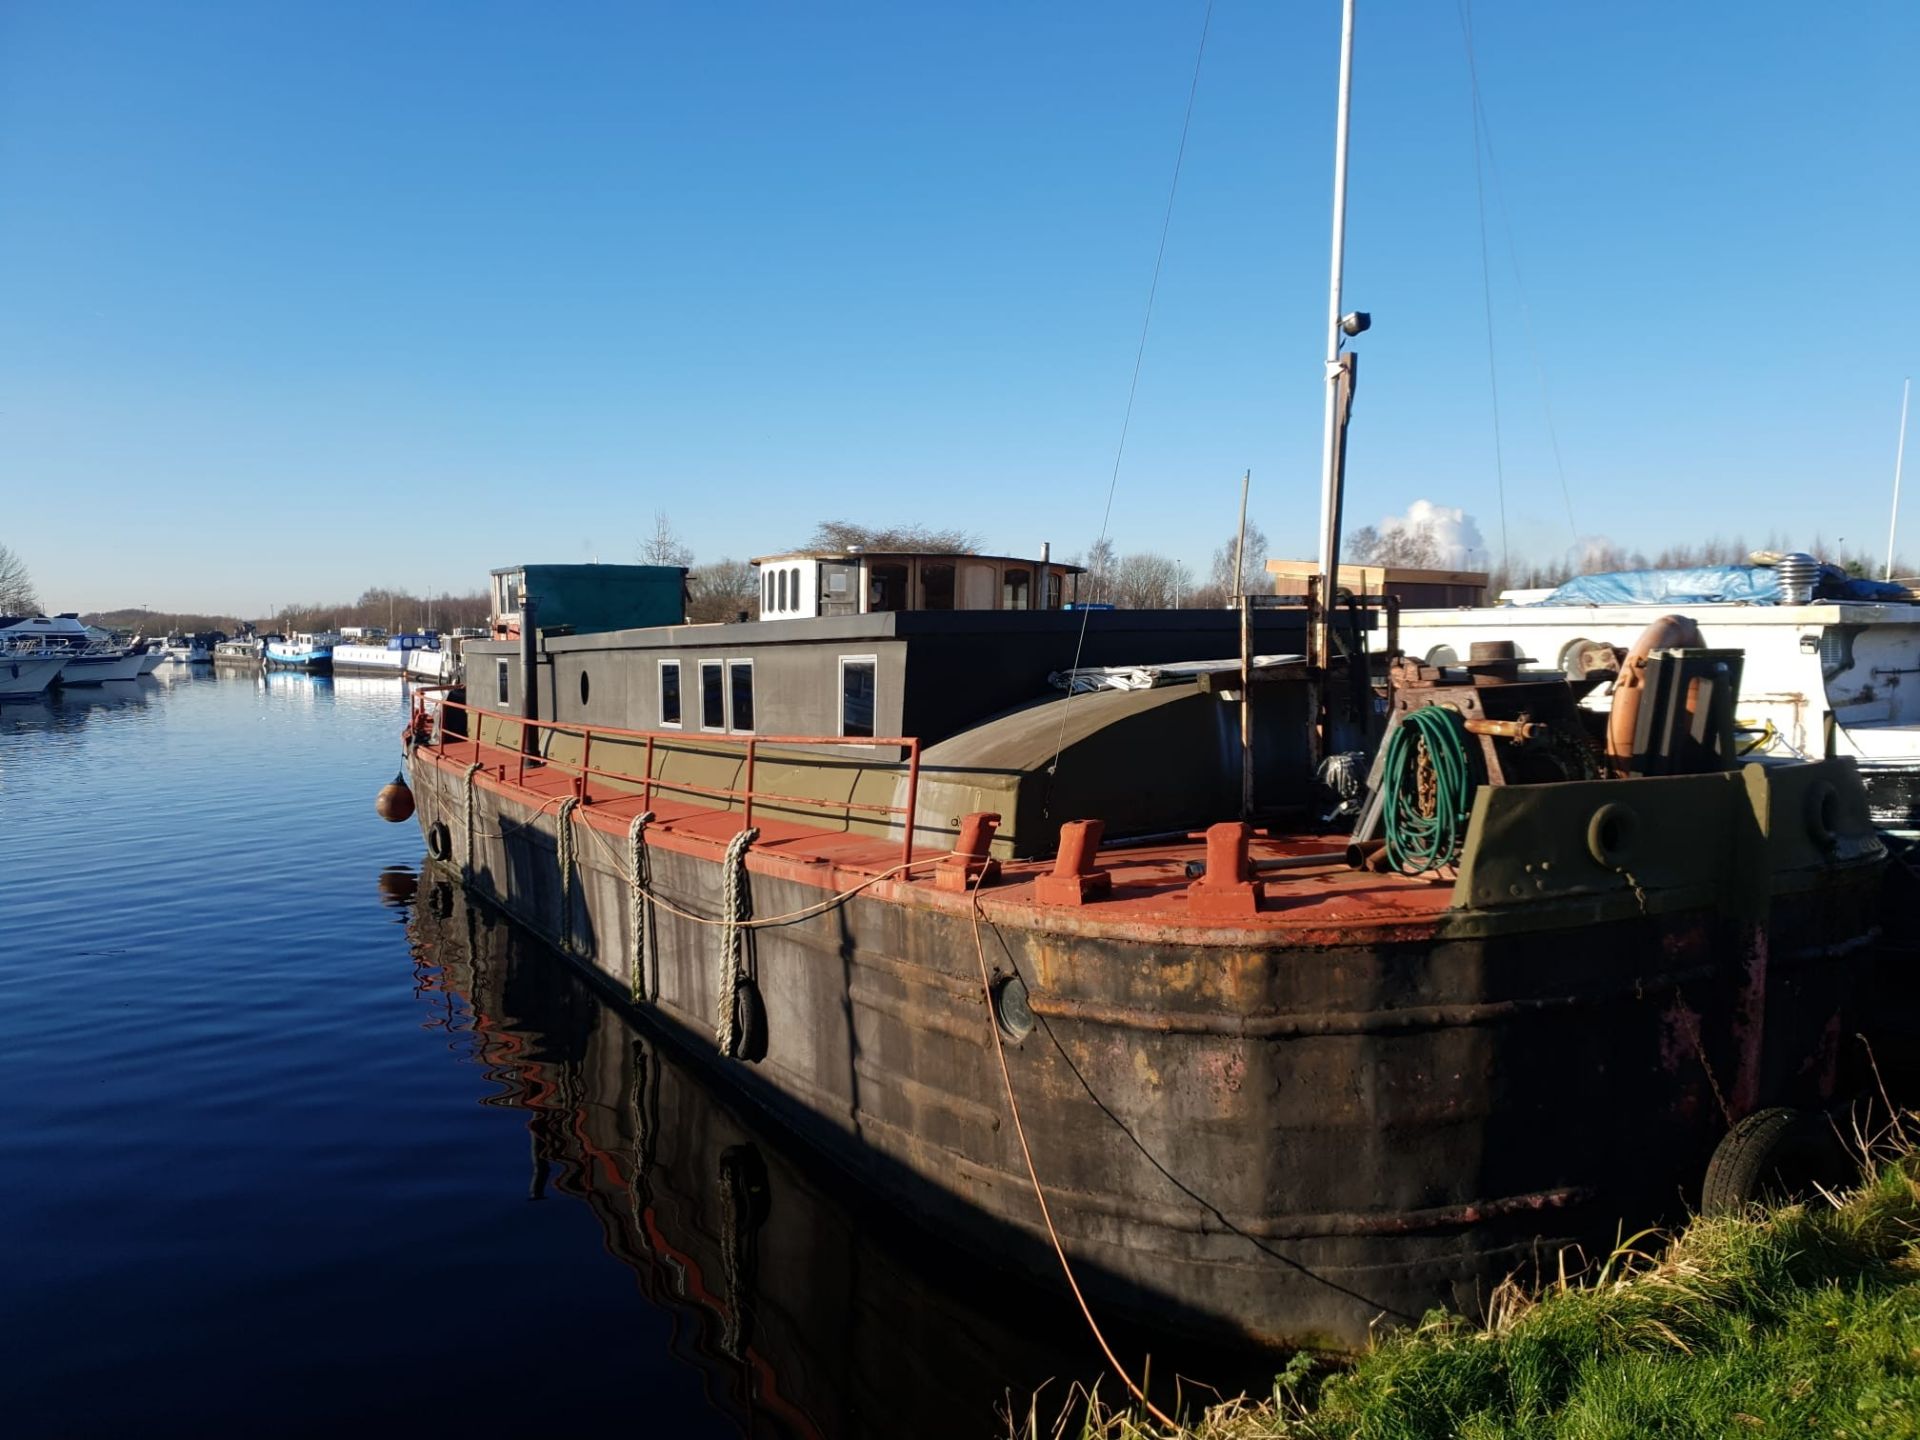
(886, 587)
(780, 592)
(857, 686)
(505, 680)
(670, 694)
(713, 696)
(1016, 589)
(794, 593)
(740, 692)
(936, 585)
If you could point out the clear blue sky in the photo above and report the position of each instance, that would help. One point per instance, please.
(303, 298)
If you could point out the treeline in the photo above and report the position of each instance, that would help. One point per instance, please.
(391, 610)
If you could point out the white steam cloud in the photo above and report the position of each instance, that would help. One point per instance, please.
(1442, 536)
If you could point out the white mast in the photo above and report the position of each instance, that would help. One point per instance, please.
(1330, 467)
(1899, 455)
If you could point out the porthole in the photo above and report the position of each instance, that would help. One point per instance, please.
(1611, 834)
(583, 687)
(1011, 1011)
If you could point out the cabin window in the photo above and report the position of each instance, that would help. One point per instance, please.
(670, 693)
(795, 592)
(583, 689)
(936, 586)
(857, 683)
(740, 691)
(1051, 579)
(1015, 589)
(506, 682)
(780, 592)
(713, 696)
(766, 589)
(976, 586)
(886, 587)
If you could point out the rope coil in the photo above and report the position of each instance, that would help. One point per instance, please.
(1429, 785)
(735, 907)
(563, 844)
(466, 816)
(640, 876)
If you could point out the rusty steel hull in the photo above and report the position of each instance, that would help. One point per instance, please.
(1286, 1136)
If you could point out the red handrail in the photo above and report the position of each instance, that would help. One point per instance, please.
(747, 796)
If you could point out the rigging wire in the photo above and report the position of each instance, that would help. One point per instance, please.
(1465, 10)
(1483, 130)
(1133, 385)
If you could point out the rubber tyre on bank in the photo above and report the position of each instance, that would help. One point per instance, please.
(1775, 1154)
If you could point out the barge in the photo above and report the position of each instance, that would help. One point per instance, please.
(1268, 1096)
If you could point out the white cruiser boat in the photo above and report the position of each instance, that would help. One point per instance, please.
(91, 655)
(26, 670)
(186, 650)
(1827, 670)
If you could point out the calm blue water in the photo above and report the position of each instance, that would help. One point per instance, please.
(295, 1140)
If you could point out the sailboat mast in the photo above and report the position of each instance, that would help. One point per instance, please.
(1317, 640)
(1899, 457)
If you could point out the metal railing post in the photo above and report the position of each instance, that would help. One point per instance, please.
(913, 797)
(586, 763)
(746, 820)
(646, 778)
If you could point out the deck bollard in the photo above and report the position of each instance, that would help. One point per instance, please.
(1226, 890)
(970, 865)
(1075, 880)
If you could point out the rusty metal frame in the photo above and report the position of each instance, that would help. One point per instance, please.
(427, 709)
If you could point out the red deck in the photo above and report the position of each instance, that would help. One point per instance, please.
(1150, 885)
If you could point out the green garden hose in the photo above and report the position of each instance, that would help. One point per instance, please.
(1429, 786)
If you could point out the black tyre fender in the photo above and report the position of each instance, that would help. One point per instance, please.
(1779, 1153)
(749, 1023)
(439, 840)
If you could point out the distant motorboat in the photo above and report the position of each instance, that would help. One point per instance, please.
(313, 653)
(27, 670)
(186, 650)
(238, 652)
(92, 656)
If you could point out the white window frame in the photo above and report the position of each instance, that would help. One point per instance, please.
(660, 693)
(727, 672)
(840, 696)
(700, 671)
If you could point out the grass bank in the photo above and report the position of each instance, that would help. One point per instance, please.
(1799, 1321)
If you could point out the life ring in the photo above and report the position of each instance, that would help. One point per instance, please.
(1669, 632)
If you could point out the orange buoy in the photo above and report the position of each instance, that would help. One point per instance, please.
(395, 801)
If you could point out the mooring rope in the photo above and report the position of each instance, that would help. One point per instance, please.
(640, 875)
(563, 844)
(734, 902)
(789, 917)
(1033, 1175)
(467, 814)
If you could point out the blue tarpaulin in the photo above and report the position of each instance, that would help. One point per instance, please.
(1711, 585)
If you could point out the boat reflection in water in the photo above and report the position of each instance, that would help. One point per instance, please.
(811, 1313)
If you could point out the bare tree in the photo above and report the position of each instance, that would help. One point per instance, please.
(722, 589)
(17, 595)
(1101, 560)
(1149, 582)
(1252, 579)
(844, 534)
(663, 547)
(1396, 545)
